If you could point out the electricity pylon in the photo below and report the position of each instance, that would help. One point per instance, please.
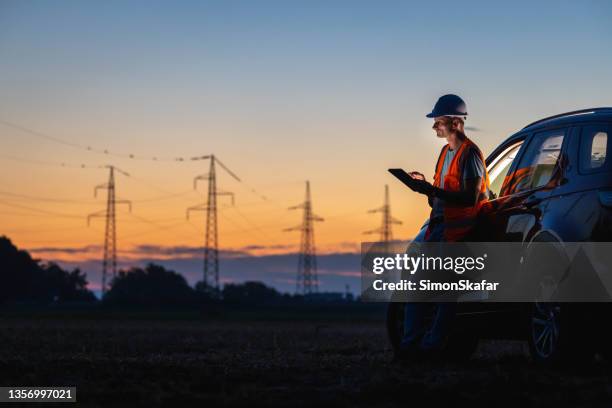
(109, 259)
(307, 281)
(385, 231)
(211, 239)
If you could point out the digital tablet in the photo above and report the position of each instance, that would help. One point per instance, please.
(404, 177)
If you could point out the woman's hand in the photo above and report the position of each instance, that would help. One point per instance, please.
(416, 175)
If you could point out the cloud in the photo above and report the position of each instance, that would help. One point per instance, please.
(180, 250)
(67, 250)
(353, 274)
(266, 247)
(139, 251)
(162, 251)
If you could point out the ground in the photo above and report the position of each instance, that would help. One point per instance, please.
(184, 362)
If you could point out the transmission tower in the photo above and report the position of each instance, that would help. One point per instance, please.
(109, 260)
(211, 239)
(385, 231)
(307, 281)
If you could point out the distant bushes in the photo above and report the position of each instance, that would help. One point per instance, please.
(24, 279)
(157, 286)
(249, 293)
(154, 285)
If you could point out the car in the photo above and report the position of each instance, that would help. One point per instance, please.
(550, 182)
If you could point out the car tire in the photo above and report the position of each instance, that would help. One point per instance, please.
(559, 336)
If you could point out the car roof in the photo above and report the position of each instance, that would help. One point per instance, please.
(578, 116)
(603, 114)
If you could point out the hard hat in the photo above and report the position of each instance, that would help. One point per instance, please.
(448, 105)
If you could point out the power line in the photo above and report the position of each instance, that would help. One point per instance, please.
(45, 199)
(108, 152)
(240, 229)
(137, 218)
(38, 210)
(145, 182)
(15, 214)
(163, 198)
(41, 231)
(98, 150)
(161, 227)
(252, 224)
(168, 195)
(89, 166)
(51, 163)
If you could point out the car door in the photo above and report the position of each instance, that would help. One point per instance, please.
(522, 177)
(516, 215)
(500, 165)
(575, 210)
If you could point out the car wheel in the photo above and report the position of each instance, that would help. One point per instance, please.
(559, 334)
(544, 332)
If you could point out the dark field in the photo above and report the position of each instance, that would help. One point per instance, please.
(190, 362)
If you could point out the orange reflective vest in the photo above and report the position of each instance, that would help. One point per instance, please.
(460, 220)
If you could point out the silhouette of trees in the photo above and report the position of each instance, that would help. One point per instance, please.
(207, 293)
(249, 293)
(25, 279)
(60, 285)
(152, 286)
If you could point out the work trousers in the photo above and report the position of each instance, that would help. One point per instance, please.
(416, 334)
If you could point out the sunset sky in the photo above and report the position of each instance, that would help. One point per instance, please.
(334, 92)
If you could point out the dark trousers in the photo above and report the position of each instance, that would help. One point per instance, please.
(416, 334)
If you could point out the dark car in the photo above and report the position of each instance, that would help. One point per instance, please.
(551, 182)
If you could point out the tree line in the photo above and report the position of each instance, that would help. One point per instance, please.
(25, 279)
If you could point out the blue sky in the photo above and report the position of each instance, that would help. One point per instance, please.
(288, 62)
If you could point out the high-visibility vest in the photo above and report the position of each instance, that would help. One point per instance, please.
(459, 220)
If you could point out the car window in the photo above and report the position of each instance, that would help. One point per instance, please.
(499, 167)
(593, 148)
(538, 163)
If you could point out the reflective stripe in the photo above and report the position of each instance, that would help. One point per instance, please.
(439, 165)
